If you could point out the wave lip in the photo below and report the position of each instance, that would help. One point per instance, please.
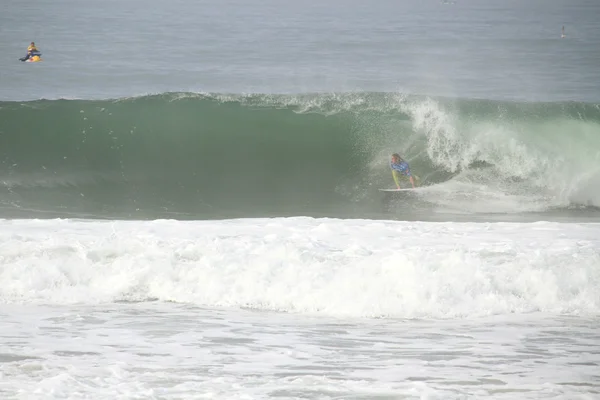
(346, 268)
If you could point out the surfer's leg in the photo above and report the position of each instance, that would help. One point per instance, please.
(396, 176)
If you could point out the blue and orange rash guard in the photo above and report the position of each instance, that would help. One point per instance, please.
(400, 168)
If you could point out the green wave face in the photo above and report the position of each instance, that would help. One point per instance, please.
(182, 155)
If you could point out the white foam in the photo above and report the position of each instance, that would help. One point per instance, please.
(334, 267)
(171, 351)
(536, 165)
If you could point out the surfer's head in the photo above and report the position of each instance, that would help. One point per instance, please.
(396, 158)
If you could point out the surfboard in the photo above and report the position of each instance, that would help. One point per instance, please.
(397, 190)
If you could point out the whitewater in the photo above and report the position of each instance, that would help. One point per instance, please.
(297, 308)
(190, 204)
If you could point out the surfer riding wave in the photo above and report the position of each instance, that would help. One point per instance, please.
(400, 168)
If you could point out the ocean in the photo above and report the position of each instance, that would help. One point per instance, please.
(190, 203)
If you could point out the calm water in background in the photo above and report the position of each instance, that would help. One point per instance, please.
(489, 49)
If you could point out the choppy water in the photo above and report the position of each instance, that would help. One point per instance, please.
(299, 308)
(173, 352)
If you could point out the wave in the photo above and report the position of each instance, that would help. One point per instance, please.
(358, 268)
(232, 155)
